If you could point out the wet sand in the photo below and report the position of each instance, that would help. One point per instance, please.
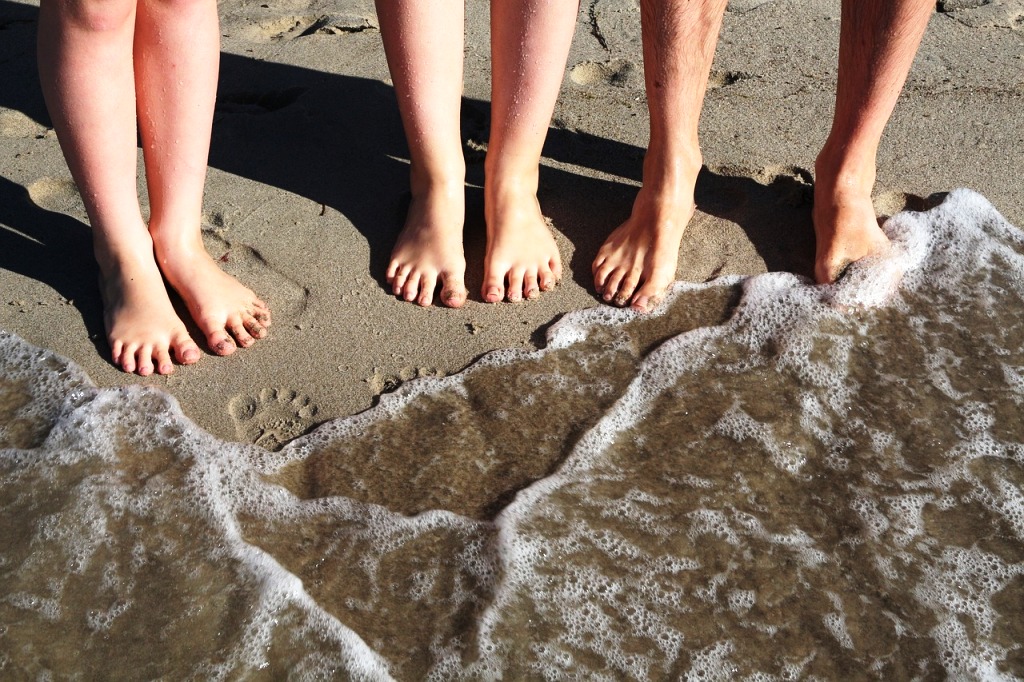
(308, 182)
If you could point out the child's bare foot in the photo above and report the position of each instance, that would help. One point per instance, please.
(845, 227)
(144, 332)
(429, 249)
(228, 313)
(522, 258)
(638, 261)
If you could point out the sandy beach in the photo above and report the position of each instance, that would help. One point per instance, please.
(764, 479)
(308, 183)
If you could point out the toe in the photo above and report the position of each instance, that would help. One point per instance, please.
(261, 312)
(626, 287)
(185, 349)
(611, 285)
(493, 289)
(515, 285)
(454, 293)
(253, 326)
(399, 280)
(116, 351)
(601, 275)
(144, 360)
(427, 285)
(411, 289)
(531, 288)
(555, 265)
(126, 359)
(220, 343)
(237, 329)
(163, 361)
(650, 294)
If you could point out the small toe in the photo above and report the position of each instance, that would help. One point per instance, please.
(626, 288)
(144, 360)
(126, 359)
(163, 361)
(253, 326)
(428, 284)
(493, 289)
(515, 285)
(237, 329)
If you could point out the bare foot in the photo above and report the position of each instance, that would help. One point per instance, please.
(845, 227)
(228, 313)
(638, 261)
(429, 249)
(143, 330)
(522, 258)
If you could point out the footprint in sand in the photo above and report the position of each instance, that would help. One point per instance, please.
(614, 72)
(248, 265)
(986, 13)
(720, 79)
(273, 417)
(890, 202)
(386, 383)
(290, 27)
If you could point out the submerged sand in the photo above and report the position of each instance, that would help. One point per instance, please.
(308, 168)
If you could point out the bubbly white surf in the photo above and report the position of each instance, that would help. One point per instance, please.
(766, 479)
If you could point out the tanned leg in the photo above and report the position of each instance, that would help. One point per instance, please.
(638, 261)
(177, 46)
(85, 65)
(877, 44)
(423, 42)
(530, 42)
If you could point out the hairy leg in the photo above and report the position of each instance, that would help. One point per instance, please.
(85, 65)
(638, 261)
(877, 44)
(423, 43)
(177, 47)
(529, 47)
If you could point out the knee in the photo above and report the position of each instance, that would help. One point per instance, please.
(95, 16)
(183, 7)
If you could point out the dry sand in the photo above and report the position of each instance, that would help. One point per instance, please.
(308, 179)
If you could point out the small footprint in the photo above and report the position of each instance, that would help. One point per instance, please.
(986, 14)
(890, 202)
(273, 417)
(386, 383)
(615, 72)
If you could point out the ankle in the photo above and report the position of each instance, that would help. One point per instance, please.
(844, 173)
(440, 180)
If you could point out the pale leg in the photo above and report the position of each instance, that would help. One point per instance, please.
(423, 42)
(176, 63)
(530, 42)
(877, 44)
(638, 261)
(85, 65)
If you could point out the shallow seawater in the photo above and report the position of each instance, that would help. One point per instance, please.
(764, 480)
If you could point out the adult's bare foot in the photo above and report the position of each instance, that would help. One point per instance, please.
(144, 332)
(228, 313)
(522, 258)
(429, 249)
(638, 261)
(845, 226)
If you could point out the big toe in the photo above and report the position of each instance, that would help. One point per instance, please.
(454, 292)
